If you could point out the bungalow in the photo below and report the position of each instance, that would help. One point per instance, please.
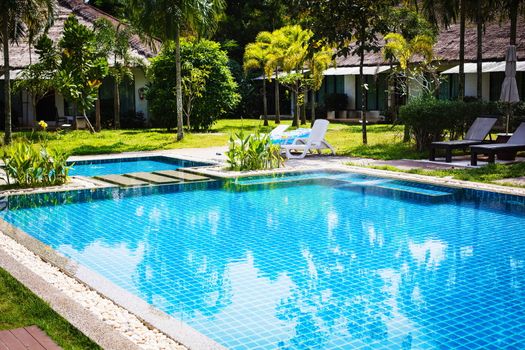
(345, 78)
(53, 107)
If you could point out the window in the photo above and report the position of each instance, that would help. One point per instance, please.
(449, 87)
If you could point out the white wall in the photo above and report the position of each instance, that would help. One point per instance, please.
(140, 82)
(350, 90)
(471, 81)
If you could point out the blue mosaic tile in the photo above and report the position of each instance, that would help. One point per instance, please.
(99, 167)
(330, 261)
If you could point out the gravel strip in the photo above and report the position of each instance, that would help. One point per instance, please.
(104, 309)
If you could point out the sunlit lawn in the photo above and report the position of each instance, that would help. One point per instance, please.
(384, 141)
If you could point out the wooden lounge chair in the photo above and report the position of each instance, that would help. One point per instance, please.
(476, 134)
(315, 141)
(514, 144)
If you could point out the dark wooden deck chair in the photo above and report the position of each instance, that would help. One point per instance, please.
(476, 134)
(514, 144)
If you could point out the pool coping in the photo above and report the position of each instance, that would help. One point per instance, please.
(146, 313)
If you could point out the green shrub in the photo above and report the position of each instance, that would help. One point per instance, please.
(430, 119)
(253, 152)
(218, 98)
(29, 165)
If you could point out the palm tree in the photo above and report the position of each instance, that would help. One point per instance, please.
(318, 62)
(116, 44)
(297, 40)
(256, 56)
(405, 50)
(278, 45)
(167, 19)
(15, 17)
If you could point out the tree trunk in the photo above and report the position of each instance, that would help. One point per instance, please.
(295, 100)
(461, 85)
(303, 108)
(363, 97)
(178, 85)
(277, 99)
(265, 103)
(312, 108)
(513, 16)
(479, 58)
(7, 82)
(98, 124)
(116, 105)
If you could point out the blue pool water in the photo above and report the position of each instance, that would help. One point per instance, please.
(333, 262)
(129, 165)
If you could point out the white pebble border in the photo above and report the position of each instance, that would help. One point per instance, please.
(113, 315)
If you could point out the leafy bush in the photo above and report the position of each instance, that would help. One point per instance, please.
(253, 152)
(430, 119)
(29, 165)
(220, 94)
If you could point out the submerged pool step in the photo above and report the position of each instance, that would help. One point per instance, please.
(153, 178)
(179, 175)
(414, 189)
(121, 180)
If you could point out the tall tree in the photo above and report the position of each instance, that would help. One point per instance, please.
(15, 17)
(511, 9)
(82, 66)
(114, 41)
(341, 22)
(257, 56)
(297, 42)
(245, 19)
(167, 19)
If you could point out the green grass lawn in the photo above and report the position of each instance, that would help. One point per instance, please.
(19, 307)
(384, 141)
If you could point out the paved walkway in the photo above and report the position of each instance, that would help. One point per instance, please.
(27, 338)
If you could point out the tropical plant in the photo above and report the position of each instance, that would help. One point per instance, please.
(193, 87)
(82, 66)
(253, 152)
(30, 165)
(404, 51)
(166, 19)
(257, 56)
(20, 18)
(221, 90)
(114, 42)
(317, 62)
(296, 45)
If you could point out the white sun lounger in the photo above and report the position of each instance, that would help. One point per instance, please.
(315, 142)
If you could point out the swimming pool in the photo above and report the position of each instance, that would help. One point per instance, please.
(326, 261)
(129, 165)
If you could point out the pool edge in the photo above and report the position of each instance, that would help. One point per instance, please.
(146, 313)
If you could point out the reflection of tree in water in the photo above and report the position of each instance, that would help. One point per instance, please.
(474, 296)
(183, 271)
(341, 292)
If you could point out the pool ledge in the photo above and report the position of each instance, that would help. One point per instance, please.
(220, 172)
(87, 320)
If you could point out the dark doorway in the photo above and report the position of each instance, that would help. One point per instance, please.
(46, 109)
